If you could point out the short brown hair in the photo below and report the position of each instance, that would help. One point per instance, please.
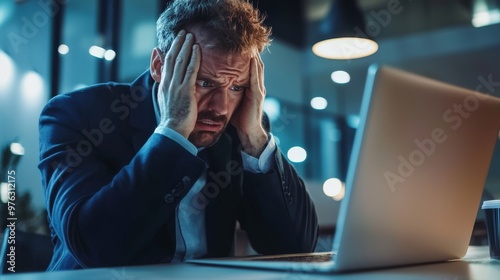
(235, 25)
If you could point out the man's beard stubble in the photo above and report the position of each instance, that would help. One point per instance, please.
(208, 138)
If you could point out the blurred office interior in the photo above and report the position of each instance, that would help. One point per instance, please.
(49, 47)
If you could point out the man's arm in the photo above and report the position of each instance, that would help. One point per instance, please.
(104, 216)
(279, 215)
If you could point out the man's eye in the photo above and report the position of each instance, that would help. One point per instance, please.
(237, 88)
(202, 83)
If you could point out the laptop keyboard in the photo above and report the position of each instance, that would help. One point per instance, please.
(323, 257)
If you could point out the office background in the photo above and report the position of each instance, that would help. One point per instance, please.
(48, 47)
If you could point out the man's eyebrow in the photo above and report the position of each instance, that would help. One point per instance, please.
(205, 78)
(215, 82)
(245, 82)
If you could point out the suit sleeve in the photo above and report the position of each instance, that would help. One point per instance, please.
(278, 215)
(107, 217)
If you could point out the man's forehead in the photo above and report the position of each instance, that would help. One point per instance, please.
(218, 64)
(208, 43)
(213, 56)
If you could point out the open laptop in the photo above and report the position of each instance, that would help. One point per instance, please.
(417, 171)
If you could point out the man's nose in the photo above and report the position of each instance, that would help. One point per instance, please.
(218, 101)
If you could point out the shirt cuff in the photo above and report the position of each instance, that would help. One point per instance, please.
(179, 139)
(265, 162)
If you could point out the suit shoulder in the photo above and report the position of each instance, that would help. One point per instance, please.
(107, 93)
(92, 96)
(98, 91)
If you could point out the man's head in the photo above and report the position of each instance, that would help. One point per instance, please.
(234, 25)
(229, 33)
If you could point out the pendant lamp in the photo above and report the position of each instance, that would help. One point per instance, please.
(342, 33)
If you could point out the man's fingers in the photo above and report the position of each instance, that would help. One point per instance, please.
(193, 66)
(260, 70)
(257, 75)
(171, 56)
(254, 74)
(182, 60)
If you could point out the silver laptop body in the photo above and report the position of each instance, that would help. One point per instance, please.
(417, 171)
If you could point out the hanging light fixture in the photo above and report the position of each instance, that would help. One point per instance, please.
(341, 33)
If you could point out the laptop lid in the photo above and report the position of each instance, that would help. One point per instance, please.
(417, 171)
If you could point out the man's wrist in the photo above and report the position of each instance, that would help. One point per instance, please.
(265, 162)
(177, 137)
(254, 145)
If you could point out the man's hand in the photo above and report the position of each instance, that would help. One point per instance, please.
(248, 117)
(176, 92)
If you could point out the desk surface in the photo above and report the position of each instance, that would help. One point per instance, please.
(475, 265)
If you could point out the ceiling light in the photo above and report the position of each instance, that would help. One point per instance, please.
(319, 103)
(345, 48)
(485, 18)
(11, 155)
(7, 9)
(341, 33)
(96, 51)
(272, 108)
(63, 49)
(340, 77)
(16, 148)
(7, 72)
(109, 55)
(334, 188)
(4, 192)
(297, 154)
(32, 88)
(99, 52)
(484, 13)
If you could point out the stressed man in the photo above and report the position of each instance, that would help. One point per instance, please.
(162, 169)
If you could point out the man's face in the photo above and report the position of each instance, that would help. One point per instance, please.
(220, 87)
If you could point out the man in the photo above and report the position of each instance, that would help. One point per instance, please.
(162, 169)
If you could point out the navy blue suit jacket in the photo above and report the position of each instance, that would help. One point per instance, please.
(112, 185)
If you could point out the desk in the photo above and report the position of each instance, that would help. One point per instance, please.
(475, 265)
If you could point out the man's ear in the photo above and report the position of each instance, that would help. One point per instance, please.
(155, 66)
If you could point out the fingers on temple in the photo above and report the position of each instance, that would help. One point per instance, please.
(183, 59)
(258, 72)
(172, 54)
(193, 66)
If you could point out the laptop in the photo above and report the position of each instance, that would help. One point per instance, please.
(418, 166)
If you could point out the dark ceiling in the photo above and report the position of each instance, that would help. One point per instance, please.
(286, 17)
(297, 22)
(434, 38)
